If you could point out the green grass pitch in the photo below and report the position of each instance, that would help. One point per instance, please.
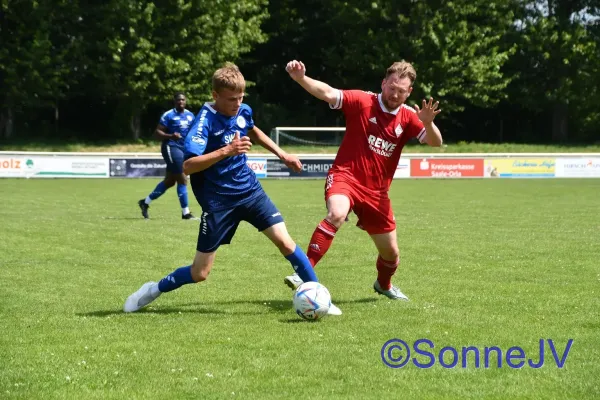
(485, 262)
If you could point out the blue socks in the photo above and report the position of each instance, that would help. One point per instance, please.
(302, 266)
(158, 191)
(183, 195)
(183, 276)
(176, 279)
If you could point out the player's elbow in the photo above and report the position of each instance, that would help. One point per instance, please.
(331, 95)
(188, 167)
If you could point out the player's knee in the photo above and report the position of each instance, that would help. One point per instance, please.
(392, 255)
(169, 182)
(336, 217)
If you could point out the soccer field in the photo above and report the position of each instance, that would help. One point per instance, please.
(485, 263)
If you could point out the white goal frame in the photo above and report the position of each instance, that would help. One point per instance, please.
(279, 129)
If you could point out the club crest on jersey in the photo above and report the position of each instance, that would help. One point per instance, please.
(398, 130)
(241, 121)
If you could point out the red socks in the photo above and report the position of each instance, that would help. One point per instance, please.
(320, 241)
(385, 271)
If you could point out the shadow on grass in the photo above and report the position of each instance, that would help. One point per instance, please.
(279, 305)
(149, 220)
(125, 218)
(273, 306)
(168, 310)
(299, 320)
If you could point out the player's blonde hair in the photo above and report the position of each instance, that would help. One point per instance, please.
(228, 77)
(403, 69)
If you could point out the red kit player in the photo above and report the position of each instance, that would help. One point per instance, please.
(377, 128)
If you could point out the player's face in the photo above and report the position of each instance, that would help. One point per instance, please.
(228, 102)
(395, 91)
(180, 102)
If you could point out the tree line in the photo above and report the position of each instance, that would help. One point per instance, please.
(503, 70)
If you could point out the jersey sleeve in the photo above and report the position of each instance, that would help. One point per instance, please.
(164, 120)
(247, 115)
(415, 128)
(351, 100)
(197, 138)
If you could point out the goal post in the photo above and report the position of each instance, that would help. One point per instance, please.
(310, 136)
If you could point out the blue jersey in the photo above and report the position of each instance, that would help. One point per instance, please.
(229, 182)
(178, 122)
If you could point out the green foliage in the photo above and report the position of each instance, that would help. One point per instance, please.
(456, 47)
(34, 54)
(459, 51)
(135, 52)
(487, 62)
(165, 48)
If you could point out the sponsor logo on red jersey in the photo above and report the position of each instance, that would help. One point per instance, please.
(381, 146)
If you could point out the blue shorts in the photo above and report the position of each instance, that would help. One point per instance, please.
(173, 156)
(217, 228)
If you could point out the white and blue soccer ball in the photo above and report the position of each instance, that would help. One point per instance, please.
(312, 300)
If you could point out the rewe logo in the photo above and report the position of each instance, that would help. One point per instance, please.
(380, 146)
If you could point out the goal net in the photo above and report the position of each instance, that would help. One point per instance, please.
(307, 136)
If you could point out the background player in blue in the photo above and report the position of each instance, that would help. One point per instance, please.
(172, 130)
(226, 188)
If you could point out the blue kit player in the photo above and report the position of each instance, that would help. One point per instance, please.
(172, 130)
(226, 188)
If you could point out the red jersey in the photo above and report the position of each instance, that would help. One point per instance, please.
(374, 137)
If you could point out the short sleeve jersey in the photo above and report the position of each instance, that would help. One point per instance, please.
(374, 137)
(229, 182)
(179, 122)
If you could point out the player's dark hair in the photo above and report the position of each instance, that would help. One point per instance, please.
(177, 94)
(403, 69)
(228, 77)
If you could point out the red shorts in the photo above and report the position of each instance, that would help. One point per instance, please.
(373, 209)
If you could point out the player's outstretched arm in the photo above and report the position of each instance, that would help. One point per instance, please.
(262, 139)
(319, 89)
(205, 161)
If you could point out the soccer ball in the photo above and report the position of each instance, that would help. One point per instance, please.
(312, 300)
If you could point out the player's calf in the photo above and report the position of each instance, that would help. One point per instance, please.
(202, 266)
(320, 241)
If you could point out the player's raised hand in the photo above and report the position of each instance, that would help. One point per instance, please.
(292, 162)
(296, 69)
(428, 110)
(238, 145)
